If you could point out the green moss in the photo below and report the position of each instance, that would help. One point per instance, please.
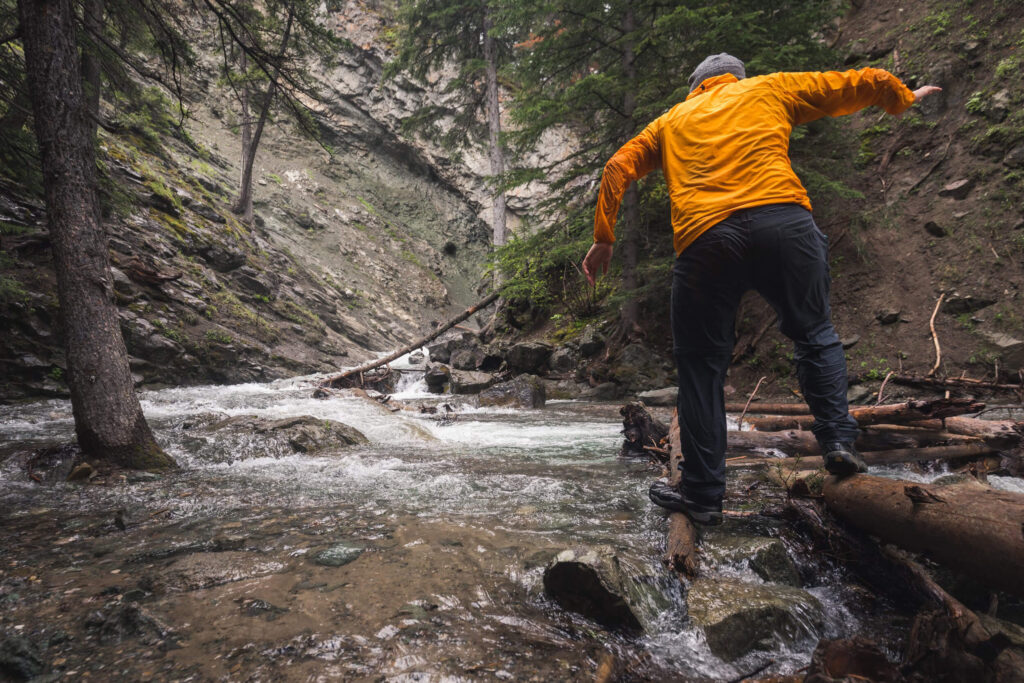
(218, 336)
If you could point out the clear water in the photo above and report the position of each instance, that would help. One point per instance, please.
(550, 475)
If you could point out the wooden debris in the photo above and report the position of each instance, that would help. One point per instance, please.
(891, 457)
(682, 538)
(896, 413)
(643, 433)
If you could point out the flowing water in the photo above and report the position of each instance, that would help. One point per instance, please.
(455, 520)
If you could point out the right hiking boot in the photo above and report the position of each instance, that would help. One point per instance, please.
(670, 498)
(842, 459)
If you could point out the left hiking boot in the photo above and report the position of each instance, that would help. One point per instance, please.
(671, 498)
(842, 459)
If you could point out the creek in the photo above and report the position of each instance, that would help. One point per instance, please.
(451, 522)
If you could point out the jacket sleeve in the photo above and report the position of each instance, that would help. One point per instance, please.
(633, 161)
(834, 93)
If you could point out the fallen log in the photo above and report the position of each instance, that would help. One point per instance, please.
(770, 408)
(896, 413)
(800, 443)
(957, 382)
(969, 527)
(1003, 434)
(681, 540)
(891, 457)
(641, 432)
(337, 379)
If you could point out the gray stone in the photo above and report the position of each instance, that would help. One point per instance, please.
(1015, 157)
(598, 584)
(1011, 349)
(659, 397)
(606, 391)
(638, 368)
(338, 555)
(591, 341)
(767, 557)
(850, 342)
(524, 391)
(222, 258)
(957, 303)
(562, 360)
(467, 359)
(738, 617)
(933, 228)
(437, 378)
(531, 357)
(958, 189)
(469, 382)
(440, 352)
(858, 393)
(259, 282)
(888, 316)
(416, 358)
(303, 434)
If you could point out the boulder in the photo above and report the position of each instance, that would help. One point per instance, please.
(606, 391)
(440, 352)
(591, 341)
(524, 391)
(467, 358)
(1015, 157)
(958, 189)
(437, 378)
(304, 434)
(638, 368)
(659, 397)
(888, 316)
(766, 557)
(957, 303)
(338, 555)
(469, 382)
(531, 357)
(1010, 349)
(739, 617)
(562, 360)
(598, 584)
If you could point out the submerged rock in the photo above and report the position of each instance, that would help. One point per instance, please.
(739, 617)
(850, 659)
(338, 555)
(303, 434)
(595, 583)
(767, 557)
(525, 391)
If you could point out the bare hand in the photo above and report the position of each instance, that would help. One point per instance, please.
(924, 91)
(596, 261)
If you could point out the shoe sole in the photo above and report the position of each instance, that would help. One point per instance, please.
(842, 466)
(705, 518)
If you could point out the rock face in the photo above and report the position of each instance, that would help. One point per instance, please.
(525, 391)
(740, 617)
(595, 583)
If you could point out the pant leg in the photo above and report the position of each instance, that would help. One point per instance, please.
(792, 273)
(707, 281)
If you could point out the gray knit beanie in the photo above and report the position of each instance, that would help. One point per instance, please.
(716, 65)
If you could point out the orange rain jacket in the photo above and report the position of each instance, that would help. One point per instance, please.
(726, 147)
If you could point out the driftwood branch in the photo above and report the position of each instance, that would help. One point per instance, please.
(891, 457)
(334, 380)
(682, 538)
(893, 413)
(935, 337)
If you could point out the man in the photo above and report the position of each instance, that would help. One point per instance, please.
(741, 219)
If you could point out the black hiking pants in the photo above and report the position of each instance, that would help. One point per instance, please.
(780, 252)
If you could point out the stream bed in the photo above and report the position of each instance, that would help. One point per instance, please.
(416, 557)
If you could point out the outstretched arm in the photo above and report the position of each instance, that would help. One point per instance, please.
(834, 93)
(632, 161)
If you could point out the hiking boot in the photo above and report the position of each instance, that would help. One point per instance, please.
(670, 498)
(842, 459)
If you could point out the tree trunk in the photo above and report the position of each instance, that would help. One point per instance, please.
(890, 457)
(245, 175)
(629, 316)
(682, 538)
(897, 413)
(497, 156)
(92, 18)
(968, 527)
(801, 443)
(243, 205)
(108, 418)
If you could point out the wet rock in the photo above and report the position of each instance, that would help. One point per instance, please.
(529, 357)
(467, 359)
(254, 607)
(1011, 349)
(957, 303)
(207, 569)
(958, 189)
(606, 391)
(598, 584)
(128, 620)
(638, 368)
(338, 555)
(304, 434)
(563, 389)
(417, 358)
(437, 378)
(467, 382)
(83, 471)
(766, 557)
(850, 659)
(524, 391)
(440, 351)
(659, 397)
(739, 617)
(933, 228)
(591, 341)
(562, 360)
(888, 316)
(20, 658)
